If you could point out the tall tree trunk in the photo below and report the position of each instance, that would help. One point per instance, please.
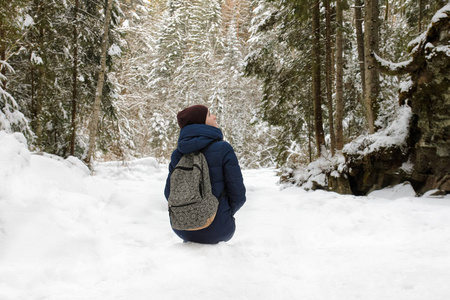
(93, 123)
(33, 98)
(360, 43)
(420, 15)
(386, 12)
(2, 53)
(74, 79)
(39, 101)
(310, 125)
(329, 76)
(339, 77)
(42, 76)
(371, 41)
(317, 95)
(402, 8)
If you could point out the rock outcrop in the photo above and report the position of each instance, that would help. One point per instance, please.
(424, 157)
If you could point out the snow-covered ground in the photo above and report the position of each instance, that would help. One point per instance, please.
(67, 235)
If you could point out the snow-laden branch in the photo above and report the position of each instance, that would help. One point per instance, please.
(417, 46)
(391, 68)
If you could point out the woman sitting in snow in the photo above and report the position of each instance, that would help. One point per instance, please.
(200, 132)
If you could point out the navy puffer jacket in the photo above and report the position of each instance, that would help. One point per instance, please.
(226, 180)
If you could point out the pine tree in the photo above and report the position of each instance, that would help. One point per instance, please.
(93, 123)
(52, 92)
(278, 58)
(142, 126)
(13, 21)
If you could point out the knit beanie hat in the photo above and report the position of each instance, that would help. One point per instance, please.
(195, 114)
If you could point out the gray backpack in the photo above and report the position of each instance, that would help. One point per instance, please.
(192, 206)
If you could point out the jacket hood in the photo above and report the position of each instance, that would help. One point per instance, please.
(195, 137)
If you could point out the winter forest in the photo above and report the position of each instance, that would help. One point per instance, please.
(338, 112)
(290, 81)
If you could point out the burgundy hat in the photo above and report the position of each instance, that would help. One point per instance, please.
(195, 114)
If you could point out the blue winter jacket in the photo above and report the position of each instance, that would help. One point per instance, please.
(226, 180)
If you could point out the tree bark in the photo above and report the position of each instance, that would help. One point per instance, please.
(74, 79)
(33, 98)
(371, 42)
(329, 76)
(420, 16)
(386, 12)
(42, 76)
(2, 54)
(339, 77)
(310, 126)
(93, 123)
(318, 124)
(360, 43)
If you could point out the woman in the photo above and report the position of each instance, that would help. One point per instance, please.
(200, 132)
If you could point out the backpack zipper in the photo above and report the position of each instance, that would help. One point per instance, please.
(181, 205)
(188, 168)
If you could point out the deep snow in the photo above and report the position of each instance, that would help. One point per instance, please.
(67, 235)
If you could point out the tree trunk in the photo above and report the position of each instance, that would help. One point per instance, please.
(360, 43)
(310, 126)
(2, 54)
(386, 12)
(420, 16)
(74, 79)
(93, 123)
(38, 101)
(41, 79)
(371, 41)
(33, 98)
(329, 76)
(339, 77)
(317, 96)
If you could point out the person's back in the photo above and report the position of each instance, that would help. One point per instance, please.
(199, 132)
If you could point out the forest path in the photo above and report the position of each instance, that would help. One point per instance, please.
(65, 235)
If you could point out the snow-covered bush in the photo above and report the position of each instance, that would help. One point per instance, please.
(11, 119)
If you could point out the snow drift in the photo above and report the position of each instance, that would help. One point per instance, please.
(67, 235)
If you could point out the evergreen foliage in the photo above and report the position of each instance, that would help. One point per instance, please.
(249, 61)
(43, 61)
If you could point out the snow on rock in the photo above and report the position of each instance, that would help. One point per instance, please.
(66, 235)
(443, 13)
(393, 135)
(407, 166)
(444, 49)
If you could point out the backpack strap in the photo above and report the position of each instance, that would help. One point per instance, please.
(204, 149)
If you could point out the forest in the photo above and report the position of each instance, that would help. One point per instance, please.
(292, 82)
